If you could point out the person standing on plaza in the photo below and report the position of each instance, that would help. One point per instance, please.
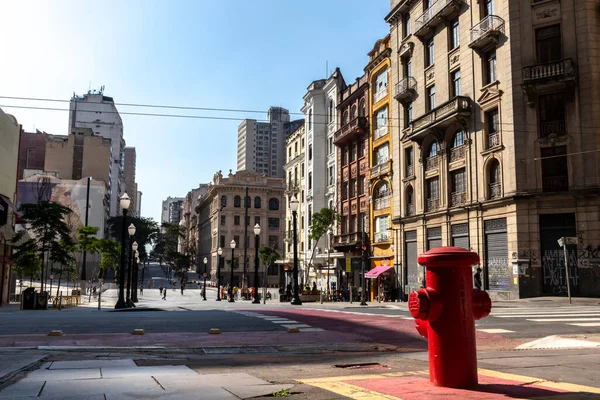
(477, 279)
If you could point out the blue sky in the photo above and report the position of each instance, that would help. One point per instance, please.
(236, 54)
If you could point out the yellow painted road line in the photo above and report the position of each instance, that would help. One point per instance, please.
(353, 392)
(314, 381)
(569, 387)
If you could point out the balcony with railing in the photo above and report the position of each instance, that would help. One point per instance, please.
(410, 171)
(410, 210)
(432, 204)
(547, 77)
(493, 140)
(381, 237)
(437, 14)
(457, 153)
(382, 203)
(381, 131)
(406, 90)
(486, 34)
(380, 169)
(432, 163)
(495, 190)
(380, 94)
(548, 128)
(350, 131)
(555, 183)
(458, 198)
(353, 239)
(440, 117)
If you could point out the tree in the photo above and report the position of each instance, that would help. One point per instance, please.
(27, 262)
(63, 262)
(321, 223)
(110, 251)
(86, 240)
(146, 231)
(47, 229)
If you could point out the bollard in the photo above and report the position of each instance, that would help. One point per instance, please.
(445, 313)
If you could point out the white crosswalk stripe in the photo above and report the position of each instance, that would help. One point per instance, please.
(581, 316)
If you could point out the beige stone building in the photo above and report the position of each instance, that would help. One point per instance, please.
(222, 218)
(295, 183)
(78, 155)
(496, 113)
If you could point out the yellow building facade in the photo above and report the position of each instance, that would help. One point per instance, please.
(380, 157)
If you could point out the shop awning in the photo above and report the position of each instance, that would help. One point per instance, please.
(375, 272)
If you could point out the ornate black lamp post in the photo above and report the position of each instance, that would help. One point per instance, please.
(132, 249)
(220, 253)
(124, 203)
(204, 288)
(134, 276)
(294, 207)
(256, 263)
(230, 294)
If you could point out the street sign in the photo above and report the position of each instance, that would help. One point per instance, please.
(567, 241)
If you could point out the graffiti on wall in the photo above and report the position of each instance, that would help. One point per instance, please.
(498, 274)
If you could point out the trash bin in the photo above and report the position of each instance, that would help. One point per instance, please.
(29, 299)
(41, 301)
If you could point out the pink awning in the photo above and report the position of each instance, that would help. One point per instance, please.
(375, 272)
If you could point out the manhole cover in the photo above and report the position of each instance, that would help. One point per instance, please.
(363, 366)
(239, 350)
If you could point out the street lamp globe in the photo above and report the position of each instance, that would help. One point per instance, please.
(257, 229)
(220, 251)
(131, 230)
(205, 260)
(294, 204)
(134, 246)
(137, 260)
(124, 201)
(136, 253)
(232, 244)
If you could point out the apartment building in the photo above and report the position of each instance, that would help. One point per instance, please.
(381, 143)
(352, 142)
(98, 113)
(129, 177)
(171, 210)
(261, 145)
(497, 139)
(295, 172)
(229, 210)
(319, 158)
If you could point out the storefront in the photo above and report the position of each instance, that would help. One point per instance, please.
(382, 280)
(552, 228)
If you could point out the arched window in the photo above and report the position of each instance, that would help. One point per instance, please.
(457, 151)
(273, 204)
(353, 112)
(257, 202)
(495, 187)
(330, 110)
(383, 190)
(433, 150)
(223, 201)
(362, 108)
(345, 118)
(310, 119)
(237, 201)
(459, 139)
(410, 201)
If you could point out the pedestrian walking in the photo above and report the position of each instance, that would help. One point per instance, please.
(161, 288)
(149, 284)
(174, 284)
(477, 279)
(164, 294)
(141, 290)
(182, 287)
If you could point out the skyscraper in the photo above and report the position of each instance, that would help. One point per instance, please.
(129, 172)
(98, 113)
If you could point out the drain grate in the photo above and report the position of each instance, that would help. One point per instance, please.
(363, 366)
(239, 350)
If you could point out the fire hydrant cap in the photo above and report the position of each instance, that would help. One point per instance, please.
(449, 257)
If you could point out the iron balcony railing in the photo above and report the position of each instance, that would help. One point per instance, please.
(382, 203)
(432, 204)
(457, 105)
(487, 26)
(556, 69)
(410, 171)
(457, 153)
(458, 198)
(410, 210)
(380, 94)
(493, 140)
(382, 237)
(405, 87)
(495, 190)
(431, 13)
(356, 125)
(548, 128)
(381, 168)
(432, 163)
(555, 183)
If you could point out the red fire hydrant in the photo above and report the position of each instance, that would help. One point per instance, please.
(445, 313)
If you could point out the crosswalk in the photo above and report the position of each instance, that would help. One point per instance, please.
(582, 316)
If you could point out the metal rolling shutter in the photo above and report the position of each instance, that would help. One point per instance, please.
(460, 235)
(434, 238)
(497, 271)
(552, 228)
(411, 280)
